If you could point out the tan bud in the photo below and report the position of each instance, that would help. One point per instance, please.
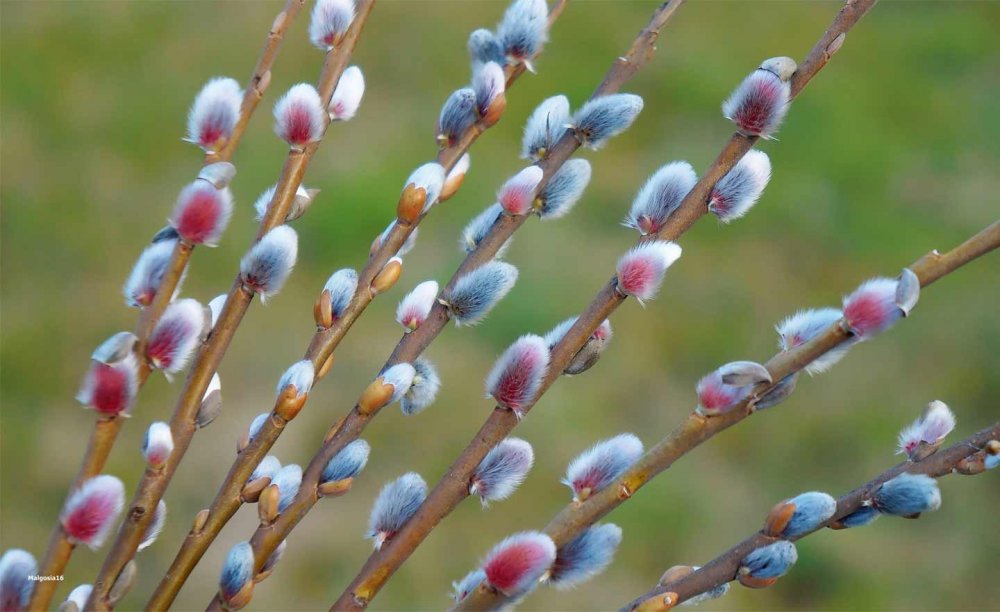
(199, 521)
(375, 396)
(251, 492)
(123, 583)
(993, 447)
(411, 203)
(267, 504)
(778, 518)
(451, 186)
(658, 603)
(385, 279)
(755, 583)
(325, 368)
(323, 310)
(674, 574)
(495, 110)
(335, 488)
(290, 402)
(241, 598)
(209, 410)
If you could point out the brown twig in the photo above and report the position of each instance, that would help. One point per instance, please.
(210, 354)
(696, 429)
(228, 499)
(106, 429)
(725, 567)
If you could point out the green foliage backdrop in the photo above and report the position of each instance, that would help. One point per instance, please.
(889, 153)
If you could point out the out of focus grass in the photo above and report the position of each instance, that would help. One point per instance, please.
(890, 152)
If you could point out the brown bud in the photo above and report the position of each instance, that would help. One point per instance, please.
(251, 492)
(290, 402)
(335, 488)
(375, 396)
(451, 186)
(778, 517)
(267, 504)
(582, 494)
(411, 204)
(388, 276)
(325, 368)
(323, 310)
(658, 603)
(755, 583)
(210, 409)
(674, 574)
(970, 466)
(993, 447)
(68, 606)
(495, 110)
(242, 597)
(123, 583)
(199, 521)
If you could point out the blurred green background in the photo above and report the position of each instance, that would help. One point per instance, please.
(890, 152)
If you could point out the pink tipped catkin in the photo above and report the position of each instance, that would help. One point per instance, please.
(872, 308)
(214, 114)
(716, 397)
(202, 213)
(517, 375)
(347, 97)
(517, 196)
(414, 308)
(934, 424)
(761, 101)
(110, 389)
(299, 116)
(92, 509)
(330, 20)
(515, 565)
(641, 270)
(176, 336)
(158, 444)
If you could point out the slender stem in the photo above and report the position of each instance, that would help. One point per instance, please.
(106, 430)
(725, 567)
(228, 499)
(577, 517)
(182, 423)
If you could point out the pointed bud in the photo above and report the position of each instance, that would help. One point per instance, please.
(330, 21)
(91, 511)
(865, 515)
(265, 268)
(16, 569)
(218, 174)
(457, 115)
(469, 583)
(423, 390)
(157, 445)
(237, 572)
(387, 276)
(299, 376)
(739, 373)
(716, 397)
(489, 83)
(348, 463)
(517, 196)
(396, 503)
(502, 470)
(211, 403)
(599, 465)
(479, 227)
(640, 271)
(736, 193)
(429, 178)
(805, 325)
(389, 387)
(809, 511)
(455, 177)
(605, 117)
(585, 556)
(298, 116)
(341, 287)
(515, 565)
(267, 502)
(518, 373)
(476, 293)
(76, 600)
(300, 203)
(123, 583)
(414, 308)
(347, 97)
(155, 526)
(176, 336)
(561, 193)
(287, 479)
(778, 393)
(110, 389)
(202, 213)
(147, 274)
(407, 245)
(872, 308)
(907, 495)
(660, 196)
(544, 127)
(925, 435)
(485, 47)
(589, 353)
(214, 114)
(523, 30)
(767, 563)
(761, 101)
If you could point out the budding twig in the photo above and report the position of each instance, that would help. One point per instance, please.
(320, 351)
(696, 429)
(182, 423)
(106, 428)
(724, 568)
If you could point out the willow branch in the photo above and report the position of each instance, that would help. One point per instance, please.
(724, 567)
(228, 499)
(210, 354)
(696, 429)
(106, 429)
